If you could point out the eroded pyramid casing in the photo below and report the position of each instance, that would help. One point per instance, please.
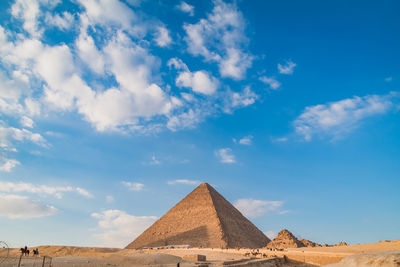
(203, 218)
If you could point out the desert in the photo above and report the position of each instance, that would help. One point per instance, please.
(204, 229)
(383, 254)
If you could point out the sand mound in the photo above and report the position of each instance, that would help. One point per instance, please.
(375, 259)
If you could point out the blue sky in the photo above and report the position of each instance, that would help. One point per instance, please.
(112, 111)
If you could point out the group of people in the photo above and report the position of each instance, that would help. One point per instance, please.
(25, 251)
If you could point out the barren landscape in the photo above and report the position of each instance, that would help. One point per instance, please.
(306, 256)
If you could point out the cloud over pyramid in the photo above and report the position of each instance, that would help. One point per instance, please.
(203, 218)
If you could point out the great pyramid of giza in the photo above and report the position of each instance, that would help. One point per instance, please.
(203, 218)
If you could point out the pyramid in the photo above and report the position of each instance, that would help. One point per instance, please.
(203, 218)
(308, 243)
(285, 239)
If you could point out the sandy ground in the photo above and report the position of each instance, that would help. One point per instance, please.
(372, 247)
(94, 256)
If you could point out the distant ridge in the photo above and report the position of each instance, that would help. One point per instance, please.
(203, 218)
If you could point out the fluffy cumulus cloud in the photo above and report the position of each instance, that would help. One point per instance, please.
(8, 135)
(133, 186)
(6, 164)
(104, 63)
(134, 96)
(116, 228)
(220, 38)
(200, 81)
(247, 140)
(242, 99)
(184, 181)
(185, 7)
(271, 82)
(225, 155)
(26, 122)
(11, 136)
(287, 68)
(162, 37)
(336, 119)
(21, 207)
(255, 208)
(56, 191)
(62, 21)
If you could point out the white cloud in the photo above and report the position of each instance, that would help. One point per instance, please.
(185, 120)
(28, 11)
(20, 207)
(270, 234)
(200, 81)
(338, 118)
(10, 133)
(6, 165)
(114, 107)
(273, 84)
(26, 122)
(162, 37)
(83, 192)
(89, 53)
(133, 186)
(135, 95)
(63, 22)
(57, 191)
(110, 13)
(109, 44)
(280, 139)
(32, 106)
(12, 89)
(255, 208)
(247, 140)
(244, 99)
(119, 228)
(388, 79)
(225, 155)
(185, 7)
(287, 68)
(184, 181)
(109, 199)
(220, 38)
